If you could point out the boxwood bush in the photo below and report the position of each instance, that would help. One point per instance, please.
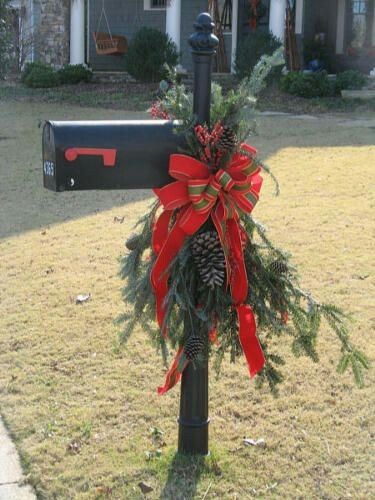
(251, 48)
(28, 68)
(39, 75)
(307, 84)
(148, 52)
(350, 80)
(74, 73)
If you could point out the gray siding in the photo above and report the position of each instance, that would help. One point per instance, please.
(125, 18)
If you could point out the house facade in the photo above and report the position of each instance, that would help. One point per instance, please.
(62, 30)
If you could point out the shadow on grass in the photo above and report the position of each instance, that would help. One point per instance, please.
(25, 205)
(183, 476)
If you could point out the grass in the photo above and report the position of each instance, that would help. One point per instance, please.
(129, 96)
(83, 412)
(274, 99)
(139, 96)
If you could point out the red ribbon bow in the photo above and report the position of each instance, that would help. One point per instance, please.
(224, 196)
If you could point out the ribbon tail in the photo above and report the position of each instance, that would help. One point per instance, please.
(238, 281)
(249, 340)
(174, 373)
(212, 335)
(160, 230)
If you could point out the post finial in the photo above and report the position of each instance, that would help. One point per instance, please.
(203, 41)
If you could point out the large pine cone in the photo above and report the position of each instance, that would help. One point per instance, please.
(209, 258)
(193, 347)
(228, 140)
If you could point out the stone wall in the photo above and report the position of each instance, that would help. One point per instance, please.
(52, 26)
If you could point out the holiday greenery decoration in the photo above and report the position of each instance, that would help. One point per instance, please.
(204, 267)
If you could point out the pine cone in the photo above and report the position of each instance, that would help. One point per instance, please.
(228, 140)
(193, 347)
(133, 241)
(279, 267)
(209, 258)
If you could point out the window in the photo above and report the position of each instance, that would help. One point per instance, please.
(360, 24)
(155, 4)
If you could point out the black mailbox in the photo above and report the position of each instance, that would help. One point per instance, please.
(84, 155)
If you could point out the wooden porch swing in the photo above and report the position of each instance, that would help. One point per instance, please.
(107, 44)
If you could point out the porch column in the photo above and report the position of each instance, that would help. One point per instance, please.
(77, 31)
(299, 17)
(340, 33)
(173, 21)
(234, 34)
(277, 18)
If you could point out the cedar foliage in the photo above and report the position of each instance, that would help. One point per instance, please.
(193, 307)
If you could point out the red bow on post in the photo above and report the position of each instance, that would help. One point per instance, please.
(223, 196)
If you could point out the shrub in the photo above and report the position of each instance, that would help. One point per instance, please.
(74, 73)
(28, 68)
(149, 50)
(251, 48)
(38, 75)
(350, 80)
(5, 38)
(307, 84)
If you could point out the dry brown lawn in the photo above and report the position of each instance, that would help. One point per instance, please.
(81, 409)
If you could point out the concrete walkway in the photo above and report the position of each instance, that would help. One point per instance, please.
(12, 485)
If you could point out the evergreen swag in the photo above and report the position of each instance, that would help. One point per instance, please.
(199, 317)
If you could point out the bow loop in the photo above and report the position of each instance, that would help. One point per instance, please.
(225, 180)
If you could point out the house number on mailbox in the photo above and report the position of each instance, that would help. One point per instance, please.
(49, 168)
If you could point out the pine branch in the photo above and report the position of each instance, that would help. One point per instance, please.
(254, 84)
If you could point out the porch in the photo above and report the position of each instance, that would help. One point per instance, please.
(234, 19)
(343, 31)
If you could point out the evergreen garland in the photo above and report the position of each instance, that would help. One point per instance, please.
(194, 308)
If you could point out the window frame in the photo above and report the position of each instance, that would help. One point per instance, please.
(147, 5)
(349, 16)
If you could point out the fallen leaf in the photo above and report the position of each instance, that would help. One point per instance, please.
(74, 447)
(119, 219)
(104, 490)
(145, 488)
(153, 454)
(82, 298)
(361, 276)
(215, 467)
(254, 442)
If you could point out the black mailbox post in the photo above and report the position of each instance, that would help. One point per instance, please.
(85, 155)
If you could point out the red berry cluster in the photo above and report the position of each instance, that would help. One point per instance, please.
(158, 113)
(210, 153)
